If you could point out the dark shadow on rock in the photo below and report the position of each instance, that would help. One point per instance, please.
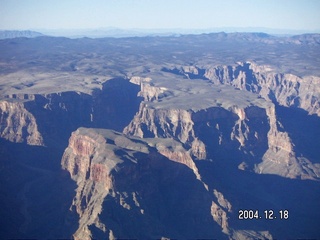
(36, 170)
(215, 126)
(57, 115)
(35, 194)
(303, 129)
(172, 203)
(116, 104)
(250, 191)
(200, 75)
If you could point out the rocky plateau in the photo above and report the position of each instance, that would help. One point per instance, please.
(160, 137)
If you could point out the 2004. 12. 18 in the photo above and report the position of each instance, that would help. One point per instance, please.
(267, 214)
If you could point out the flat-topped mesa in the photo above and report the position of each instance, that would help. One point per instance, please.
(90, 147)
(77, 159)
(212, 109)
(215, 125)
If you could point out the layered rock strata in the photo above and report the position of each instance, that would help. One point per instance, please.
(111, 168)
(282, 88)
(49, 118)
(191, 151)
(211, 125)
(18, 124)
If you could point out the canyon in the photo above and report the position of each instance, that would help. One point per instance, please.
(160, 137)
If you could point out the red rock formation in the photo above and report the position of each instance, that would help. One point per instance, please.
(18, 124)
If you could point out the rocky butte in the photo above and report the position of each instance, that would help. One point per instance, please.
(212, 136)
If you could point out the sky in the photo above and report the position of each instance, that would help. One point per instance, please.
(159, 14)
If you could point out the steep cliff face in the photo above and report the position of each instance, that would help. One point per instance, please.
(136, 187)
(44, 119)
(148, 91)
(209, 120)
(48, 119)
(18, 124)
(93, 178)
(121, 178)
(251, 134)
(285, 89)
(172, 130)
(150, 122)
(196, 137)
(281, 157)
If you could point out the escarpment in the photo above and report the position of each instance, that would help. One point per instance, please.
(48, 119)
(50, 116)
(282, 88)
(166, 139)
(281, 157)
(92, 175)
(208, 117)
(216, 126)
(18, 124)
(120, 178)
(171, 127)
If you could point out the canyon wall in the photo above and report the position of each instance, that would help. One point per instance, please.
(285, 89)
(128, 187)
(172, 136)
(46, 119)
(248, 131)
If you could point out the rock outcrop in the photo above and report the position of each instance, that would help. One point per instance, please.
(18, 124)
(93, 178)
(285, 89)
(48, 119)
(200, 127)
(43, 119)
(117, 175)
(248, 132)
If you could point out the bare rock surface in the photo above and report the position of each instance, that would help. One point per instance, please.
(161, 137)
(18, 124)
(101, 161)
(212, 118)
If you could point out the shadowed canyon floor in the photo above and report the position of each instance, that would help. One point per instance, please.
(160, 137)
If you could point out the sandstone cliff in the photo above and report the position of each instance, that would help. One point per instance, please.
(282, 88)
(43, 119)
(211, 125)
(117, 175)
(194, 120)
(18, 124)
(285, 89)
(203, 126)
(49, 118)
(93, 178)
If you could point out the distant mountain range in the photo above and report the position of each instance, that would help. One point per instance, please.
(15, 34)
(306, 38)
(119, 33)
(138, 32)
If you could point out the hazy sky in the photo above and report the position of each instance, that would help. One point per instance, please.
(195, 14)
